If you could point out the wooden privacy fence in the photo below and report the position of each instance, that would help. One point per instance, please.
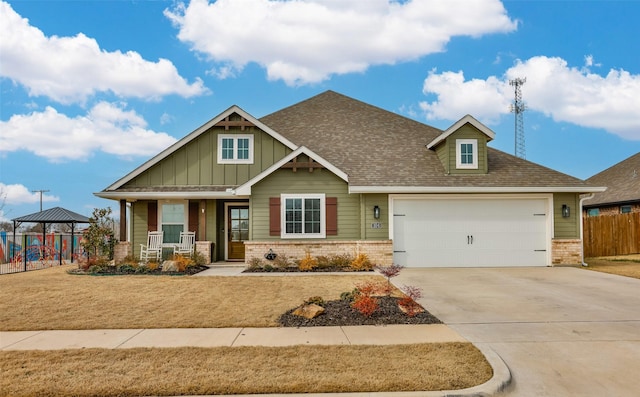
(610, 235)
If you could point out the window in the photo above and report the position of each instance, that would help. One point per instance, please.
(172, 221)
(467, 153)
(593, 212)
(625, 209)
(235, 149)
(303, 216)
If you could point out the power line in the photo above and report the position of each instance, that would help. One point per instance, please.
(518, 107)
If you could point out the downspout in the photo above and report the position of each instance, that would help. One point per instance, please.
(587, 197)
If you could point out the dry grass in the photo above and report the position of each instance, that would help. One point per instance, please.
(233, 370)
(53, 299)
(628, 265)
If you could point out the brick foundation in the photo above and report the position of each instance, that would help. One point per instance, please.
(566, 252)
(204, 248)
(121, 250)
(379, 252)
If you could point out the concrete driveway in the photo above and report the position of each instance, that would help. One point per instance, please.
(562, 331)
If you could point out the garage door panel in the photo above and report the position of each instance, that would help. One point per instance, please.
(470, 232)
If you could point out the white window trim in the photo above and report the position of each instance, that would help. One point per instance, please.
(185, 221)
(323, 216)
(474, 144)
(235, 159)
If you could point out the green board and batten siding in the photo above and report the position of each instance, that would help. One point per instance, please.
(196, 163)
(567, 228)
(304, 182)
(446, 150)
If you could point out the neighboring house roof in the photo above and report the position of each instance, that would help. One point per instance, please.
(384, 152)
(622, 181)
(53, 215)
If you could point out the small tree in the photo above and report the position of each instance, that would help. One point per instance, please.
(98, 240)
(389, 272)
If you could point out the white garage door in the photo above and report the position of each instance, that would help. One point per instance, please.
(470, 232)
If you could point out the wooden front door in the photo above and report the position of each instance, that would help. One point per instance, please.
(237, 231)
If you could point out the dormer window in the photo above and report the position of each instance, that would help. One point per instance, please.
(467, 154)
(235, 149)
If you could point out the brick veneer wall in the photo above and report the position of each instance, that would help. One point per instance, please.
(121, 250)
(379, 252)
(204, 249)
(566, 252)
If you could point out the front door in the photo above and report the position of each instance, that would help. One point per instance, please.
(237, 231)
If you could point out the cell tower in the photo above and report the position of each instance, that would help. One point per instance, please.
(518, 107)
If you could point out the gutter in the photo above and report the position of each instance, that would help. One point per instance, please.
(587, 197)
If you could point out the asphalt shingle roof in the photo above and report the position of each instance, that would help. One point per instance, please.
(376, 147)
(622, 181)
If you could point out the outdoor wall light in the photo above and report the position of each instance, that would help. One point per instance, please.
(376, 212)
(566, 211)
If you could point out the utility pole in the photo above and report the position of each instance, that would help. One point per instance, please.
(40, 191)
(518, 107)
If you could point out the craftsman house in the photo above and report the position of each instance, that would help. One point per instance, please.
(335, 175)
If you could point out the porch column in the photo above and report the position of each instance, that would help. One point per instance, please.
(202, 220)
(123, 220)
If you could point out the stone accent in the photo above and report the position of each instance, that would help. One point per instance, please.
(566, 252)
(204, 248)
(121, 250)
(170, 266)
(380, 252)
(309, 311)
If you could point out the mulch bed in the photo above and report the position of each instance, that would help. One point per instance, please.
(114, 271)
(340, 312)
(295, 269)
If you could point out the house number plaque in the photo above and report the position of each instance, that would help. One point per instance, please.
(376, 225)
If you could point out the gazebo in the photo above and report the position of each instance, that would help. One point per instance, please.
(53, 215)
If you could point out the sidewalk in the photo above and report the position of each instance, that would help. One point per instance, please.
(218, 337)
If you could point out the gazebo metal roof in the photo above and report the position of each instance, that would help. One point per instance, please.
(53, 215)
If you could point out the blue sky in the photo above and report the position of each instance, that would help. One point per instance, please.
(92, 89)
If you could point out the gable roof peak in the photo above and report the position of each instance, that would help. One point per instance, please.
(467, 119)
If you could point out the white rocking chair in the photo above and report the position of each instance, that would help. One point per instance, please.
(153, 249)
(186, 244)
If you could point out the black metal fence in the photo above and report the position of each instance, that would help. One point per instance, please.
(30, 251)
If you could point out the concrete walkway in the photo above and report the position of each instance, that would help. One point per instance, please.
(218, 337)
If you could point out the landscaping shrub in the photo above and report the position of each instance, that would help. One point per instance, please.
(183, 262)
(361, 262)
(316, 300)
(307, 263)
(127, 268)
(255, 264)
(366, 305)
(282, 262)
(363, 300)
(408, 302)
(343, 260)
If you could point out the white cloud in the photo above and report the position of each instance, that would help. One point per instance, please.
(303, 42)
(568, 94)
(71, 69)
(20, 194)
(106, 127)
